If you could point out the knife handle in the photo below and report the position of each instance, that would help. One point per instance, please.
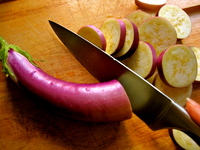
(177, 117)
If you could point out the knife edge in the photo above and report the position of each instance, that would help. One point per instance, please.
(150, 104)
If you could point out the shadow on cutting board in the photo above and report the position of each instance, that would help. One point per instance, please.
(6, 1)
(38, 119)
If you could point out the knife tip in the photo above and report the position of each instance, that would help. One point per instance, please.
(50, 21)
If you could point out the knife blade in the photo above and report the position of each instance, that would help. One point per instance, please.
(152, 106)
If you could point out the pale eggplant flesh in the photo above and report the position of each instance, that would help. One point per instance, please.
(156, 109)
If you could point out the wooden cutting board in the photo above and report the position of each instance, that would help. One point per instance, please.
(24, 122)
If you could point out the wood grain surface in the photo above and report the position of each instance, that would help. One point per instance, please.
(25, 123)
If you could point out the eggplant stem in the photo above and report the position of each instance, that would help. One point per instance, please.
(4, 48)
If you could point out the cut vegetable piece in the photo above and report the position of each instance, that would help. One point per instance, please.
(143, 60)
(179, 95)
(131, 40)
(158, 32)
(183, 140)
(100, 102)
(150, 4)
(177, 66)
(114, 31)
(178, 18)
(94, 35)
(138, 17)
(152, 78)
(193, 108)
(196, 51)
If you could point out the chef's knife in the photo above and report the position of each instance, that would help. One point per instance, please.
(152, 106)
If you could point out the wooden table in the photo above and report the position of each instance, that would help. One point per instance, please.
(24, 122)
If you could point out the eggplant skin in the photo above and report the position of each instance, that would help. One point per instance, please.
(99, 102)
